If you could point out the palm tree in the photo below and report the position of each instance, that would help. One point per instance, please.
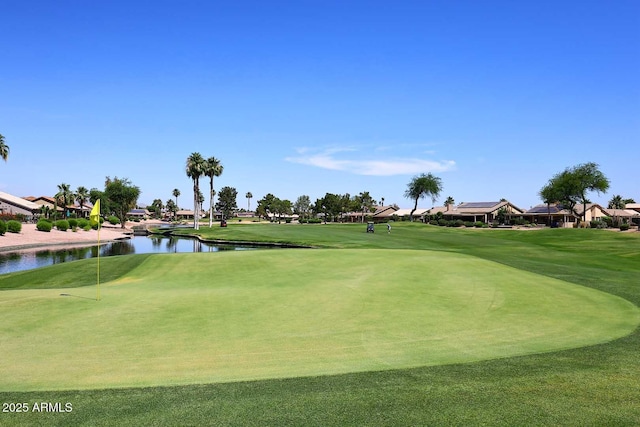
(176, 193)
(212, 168)
(82, 195)
(195, 169)
(365, 201)
(249, 196)
(171, 207)
(157, 207)
(422, 186)
(64, 196)
(449, 202)
(4, 149)
(616, 202)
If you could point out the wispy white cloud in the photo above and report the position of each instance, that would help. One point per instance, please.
(331, 159)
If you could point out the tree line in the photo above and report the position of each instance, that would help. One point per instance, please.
(570, 187)
(567, 188)
(118, 198)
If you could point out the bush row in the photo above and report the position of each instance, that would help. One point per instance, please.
(46, 225)
(458, 223)
(12, 226)
(310, 221)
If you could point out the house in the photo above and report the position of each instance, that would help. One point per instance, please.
(590, 211)
(478, 211)
(47, 204)
(553, 215)
(595, 212)
(633, 207)
(14, 205)
(623, 216)
(184, 214)
(243, 214)
(380, 214)
(405, 213)
(384, 213)
(138, 214)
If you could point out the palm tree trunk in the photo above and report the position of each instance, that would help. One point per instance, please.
(195, 204)
(211, 202)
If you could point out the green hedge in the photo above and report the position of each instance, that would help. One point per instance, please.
(62, 225)
(44, 225)
(3, 227)
(14, 226)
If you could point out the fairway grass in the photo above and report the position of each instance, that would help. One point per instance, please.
(238, 316)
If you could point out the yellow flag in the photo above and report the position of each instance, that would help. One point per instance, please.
(94, 216)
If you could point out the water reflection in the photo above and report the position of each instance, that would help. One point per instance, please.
(30, 259)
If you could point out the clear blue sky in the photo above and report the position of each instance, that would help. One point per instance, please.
(308, 97)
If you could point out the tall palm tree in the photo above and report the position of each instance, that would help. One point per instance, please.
(4, 149)
(64, 196)
(81, 196)
(176, 193)
(194, 170)
(249, 196)
(212, 168)
(422, 186)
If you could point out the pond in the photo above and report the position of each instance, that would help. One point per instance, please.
(33, 258)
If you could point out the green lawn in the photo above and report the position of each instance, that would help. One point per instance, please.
(515, 292)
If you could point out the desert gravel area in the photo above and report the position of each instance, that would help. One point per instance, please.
(30, 237)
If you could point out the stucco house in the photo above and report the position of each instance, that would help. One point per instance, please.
(14, 205)
(139, 214)
(596, 212)
(477, 211)
(554, 215)
(405, 213)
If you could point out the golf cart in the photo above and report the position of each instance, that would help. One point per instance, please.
(370, 227)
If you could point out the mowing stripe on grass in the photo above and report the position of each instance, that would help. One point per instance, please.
(203, 318)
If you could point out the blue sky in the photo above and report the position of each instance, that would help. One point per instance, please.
(308, 97)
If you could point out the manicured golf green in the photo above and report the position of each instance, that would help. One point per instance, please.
(222, 317)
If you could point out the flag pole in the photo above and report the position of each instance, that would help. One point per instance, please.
(94, 218)
(98, 278)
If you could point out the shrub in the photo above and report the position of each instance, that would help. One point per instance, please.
(62, 225)
(468, 224)
(73, 223)
(83, 222)
(114, 220)
(3, 227)
(44, 225)
(458, 223)
(14, 226)
(624, 227)
(442, 222)
(310, 221)
(434, 222)
(87, 227)
(479, 224)
(519, 221)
